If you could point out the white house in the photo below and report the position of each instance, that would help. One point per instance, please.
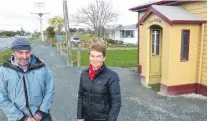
(128, 34)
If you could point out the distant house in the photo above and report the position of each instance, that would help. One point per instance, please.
(128, 34)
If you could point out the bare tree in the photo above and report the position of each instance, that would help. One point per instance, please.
(97, 16)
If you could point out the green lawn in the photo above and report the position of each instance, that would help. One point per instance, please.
(81, 37)
(120, 58)
(3, 36)
(4, 55)
(33, 38)
(85, 37)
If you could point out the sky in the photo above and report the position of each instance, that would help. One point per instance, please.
(15, 14)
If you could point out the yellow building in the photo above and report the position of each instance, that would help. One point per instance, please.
(172, 46)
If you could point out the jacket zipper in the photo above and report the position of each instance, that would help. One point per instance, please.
(93, 91)
(26, 96)
(92, 98)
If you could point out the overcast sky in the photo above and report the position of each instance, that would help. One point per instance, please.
(15, 14)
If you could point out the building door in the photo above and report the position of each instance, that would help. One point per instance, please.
(155, 56)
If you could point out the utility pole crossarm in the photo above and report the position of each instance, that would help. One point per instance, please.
(40, 14)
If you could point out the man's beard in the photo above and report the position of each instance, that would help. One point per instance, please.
(24, 63)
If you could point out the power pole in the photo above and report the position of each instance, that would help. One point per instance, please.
(40, 14)
(67, 32)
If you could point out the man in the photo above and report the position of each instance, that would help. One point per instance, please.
(26, 85)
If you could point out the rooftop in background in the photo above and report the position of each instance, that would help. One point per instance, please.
(126, 27)
(129, 27)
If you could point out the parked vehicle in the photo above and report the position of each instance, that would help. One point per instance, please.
(75, 40)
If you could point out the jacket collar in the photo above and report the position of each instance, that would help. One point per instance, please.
(35, 63)
(102, 70)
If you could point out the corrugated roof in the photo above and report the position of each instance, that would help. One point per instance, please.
(175, 13)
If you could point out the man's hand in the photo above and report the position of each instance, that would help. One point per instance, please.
(31, 119)
(37, 117)
(80, 119)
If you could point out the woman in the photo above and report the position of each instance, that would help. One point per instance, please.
(99, 96)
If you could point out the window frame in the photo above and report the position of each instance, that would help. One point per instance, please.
(184, 54)
(157, 49)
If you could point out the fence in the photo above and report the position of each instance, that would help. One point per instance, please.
(115, 57)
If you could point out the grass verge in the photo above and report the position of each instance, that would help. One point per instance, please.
(4, 55)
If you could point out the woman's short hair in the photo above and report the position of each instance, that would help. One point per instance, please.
(99, 47)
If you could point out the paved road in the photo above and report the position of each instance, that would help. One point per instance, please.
(139, 103)
(5, 43)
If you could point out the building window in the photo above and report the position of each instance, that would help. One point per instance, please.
(127, 34)
(155, 42)
(185, 36)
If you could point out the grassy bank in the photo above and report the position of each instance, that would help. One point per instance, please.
(34, 38)
(3, 36)
(4, 55)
